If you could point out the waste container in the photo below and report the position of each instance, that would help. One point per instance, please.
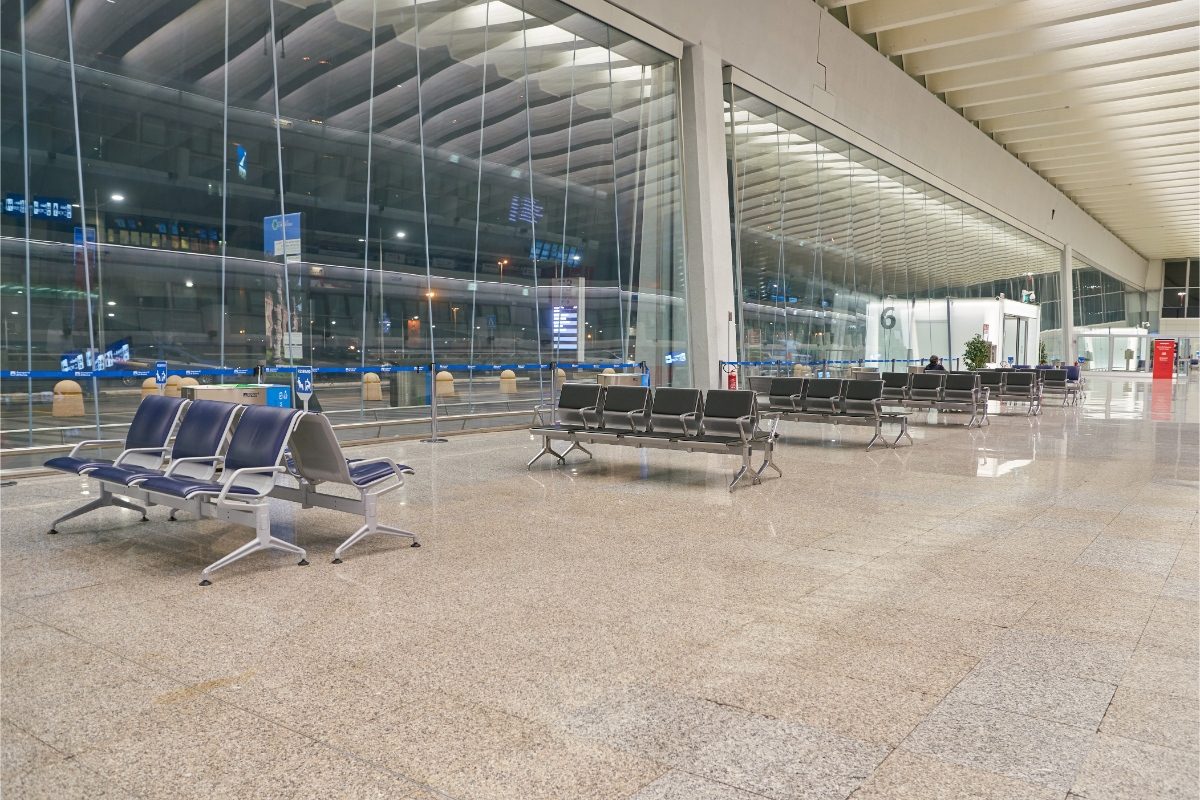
(408, 389)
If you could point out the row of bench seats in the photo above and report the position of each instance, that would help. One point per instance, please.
(223, 461)
(944, 391)
(719, 421)
(1066, 383)
(835, 400)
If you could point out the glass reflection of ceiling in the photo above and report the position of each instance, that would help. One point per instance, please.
(588, 85)
(799, 184)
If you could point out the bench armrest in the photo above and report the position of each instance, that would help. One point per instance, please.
(741, 423)
(683, 422)
(134, 450)
(223, 496)
(583, 412)
(400, 473)
(773, 417)
(539, 412)
(191, 460)
(94, 443)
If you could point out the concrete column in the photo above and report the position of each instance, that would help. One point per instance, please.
(1066, 304)
(710, 294)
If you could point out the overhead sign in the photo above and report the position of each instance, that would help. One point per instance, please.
(281, 235)
(59, 208)
(676, 358)
(160, 373)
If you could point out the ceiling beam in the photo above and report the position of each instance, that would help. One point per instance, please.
(1080, 99)
(1009, 46)
(1022, 17)
(1128, 122)
(1167, 101)
(874, 16)
(1180, 39)
(1158, 65)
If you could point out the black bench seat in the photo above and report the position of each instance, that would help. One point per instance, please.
(669, 418)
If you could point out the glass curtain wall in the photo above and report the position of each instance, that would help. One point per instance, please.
(1181, 289)
(840, 256)
(346, 183)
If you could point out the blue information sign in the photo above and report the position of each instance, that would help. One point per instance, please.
(160, 372)
(304, 382)
(281, 235)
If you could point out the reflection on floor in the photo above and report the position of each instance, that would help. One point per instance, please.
(1007, 613)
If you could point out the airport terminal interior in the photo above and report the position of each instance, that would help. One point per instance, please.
(600, 399)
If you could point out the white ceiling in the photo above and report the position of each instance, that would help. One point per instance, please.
(1100, 97)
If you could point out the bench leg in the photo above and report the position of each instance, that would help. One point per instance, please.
(263, 540)
(769, 460)
(106, 498)
(371, 525)
(746, 469)
(546, 450)
(878, 437)
(367, 530)
(903, 433)
(574, 446)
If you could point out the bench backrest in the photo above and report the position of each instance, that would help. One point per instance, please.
(151, 426)
(861, 396)
(824, 395)
(258, 440)
(723, 408)
(573, 398)
(620, 401)
(990, 377)
(1054, 377)
(788, 392)
(316, 454)
(960, 384)
(760, 383)
(677, 410)
(926, 382)
(1019, 381)
(895, 380)
(202, 433)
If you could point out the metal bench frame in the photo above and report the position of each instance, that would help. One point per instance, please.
(252, 509)
(797, 412)
(751, 437)
(316, 458)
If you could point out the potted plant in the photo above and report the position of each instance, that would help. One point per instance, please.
(1042, 357)
(977, 352)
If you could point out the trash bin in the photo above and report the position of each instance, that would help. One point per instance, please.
(407, 389)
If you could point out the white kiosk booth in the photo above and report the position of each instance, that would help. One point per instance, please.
(916, 329)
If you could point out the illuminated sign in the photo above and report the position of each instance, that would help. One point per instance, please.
(43, 207)
(676, 358)
(553, 251)
(564, 327)
(524, 208)
(116, 354)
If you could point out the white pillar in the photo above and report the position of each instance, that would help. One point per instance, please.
(710, 292)
(1066, 304)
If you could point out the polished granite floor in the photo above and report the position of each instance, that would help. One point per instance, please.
(1007, 614)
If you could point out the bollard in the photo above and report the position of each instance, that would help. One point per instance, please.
(443, 384)
(68, 399)
(149, 387)
(188, 382)
(371, 388)
(172, 387)
(609, 371)
(508, 382)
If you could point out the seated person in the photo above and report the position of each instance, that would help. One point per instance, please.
(934, 365)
